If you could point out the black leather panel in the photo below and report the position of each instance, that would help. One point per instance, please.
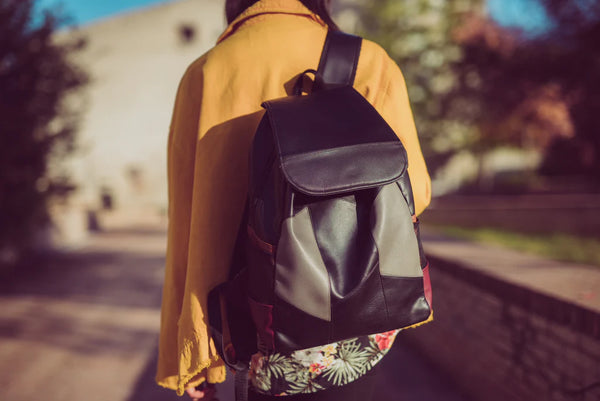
(349, 145)
(325, 120)
(344, 169)
(405, 298)
(338, 60)
(343, 233)
(241, 326)
(295, 329)
(261, 155)
(262, 180)
(267, 187)
(364, 310)
(381, 304)
(261, 274)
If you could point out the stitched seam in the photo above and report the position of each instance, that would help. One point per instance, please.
(387, 313)
(354, 187)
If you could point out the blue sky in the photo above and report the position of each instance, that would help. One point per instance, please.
(84, 11)
(527, 14)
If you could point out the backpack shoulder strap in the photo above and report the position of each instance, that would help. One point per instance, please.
(339, 59)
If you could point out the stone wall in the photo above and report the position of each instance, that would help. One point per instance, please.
(500, 341)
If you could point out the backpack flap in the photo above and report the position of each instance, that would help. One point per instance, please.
(334, 141)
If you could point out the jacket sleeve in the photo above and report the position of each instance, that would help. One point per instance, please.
(173, 370)
(395, 109)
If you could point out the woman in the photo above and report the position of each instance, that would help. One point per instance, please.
(217, 110)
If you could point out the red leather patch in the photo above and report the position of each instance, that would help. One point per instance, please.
(427, 285)
(260, 244)
(262, 315)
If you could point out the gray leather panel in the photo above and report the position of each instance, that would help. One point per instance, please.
(301, 278)
(394, 234)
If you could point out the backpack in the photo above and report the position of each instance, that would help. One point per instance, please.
(329, 240)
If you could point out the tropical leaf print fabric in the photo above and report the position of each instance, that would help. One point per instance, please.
(318, 368)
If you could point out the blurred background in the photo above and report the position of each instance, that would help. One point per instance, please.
(506, 97)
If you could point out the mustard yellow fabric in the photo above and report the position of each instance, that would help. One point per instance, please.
(217, 110)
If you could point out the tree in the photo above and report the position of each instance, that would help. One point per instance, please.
(573, 49)
(519, 106)
(542, 91)
(418, 35)
(36, 126)
(476, 86)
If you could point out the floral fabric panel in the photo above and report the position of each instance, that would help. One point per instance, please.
(318, 368)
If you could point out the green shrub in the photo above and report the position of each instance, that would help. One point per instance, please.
(36, 126)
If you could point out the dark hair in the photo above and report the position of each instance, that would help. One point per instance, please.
(233, 8)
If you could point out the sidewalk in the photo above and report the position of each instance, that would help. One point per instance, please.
(84, 326)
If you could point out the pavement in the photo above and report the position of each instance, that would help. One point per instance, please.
(84, 325)
(574, 283)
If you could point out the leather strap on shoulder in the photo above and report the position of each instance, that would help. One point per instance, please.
(338, 60)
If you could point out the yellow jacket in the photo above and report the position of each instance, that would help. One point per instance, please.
(216, 112)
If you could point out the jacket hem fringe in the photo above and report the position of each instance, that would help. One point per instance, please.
(185, 379)
(182, 381)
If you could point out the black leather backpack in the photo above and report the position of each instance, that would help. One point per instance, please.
(329, 240)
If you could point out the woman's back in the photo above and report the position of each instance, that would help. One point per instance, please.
(217, 110)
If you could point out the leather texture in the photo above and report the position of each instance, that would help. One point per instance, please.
(295, 328)
(364, 166)
(301, 278)
(349, 266)
(394, 235)
(312, 145)
(262, 185)
(324, 120)
(341, 227)
(380, 304)
(405, 299)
